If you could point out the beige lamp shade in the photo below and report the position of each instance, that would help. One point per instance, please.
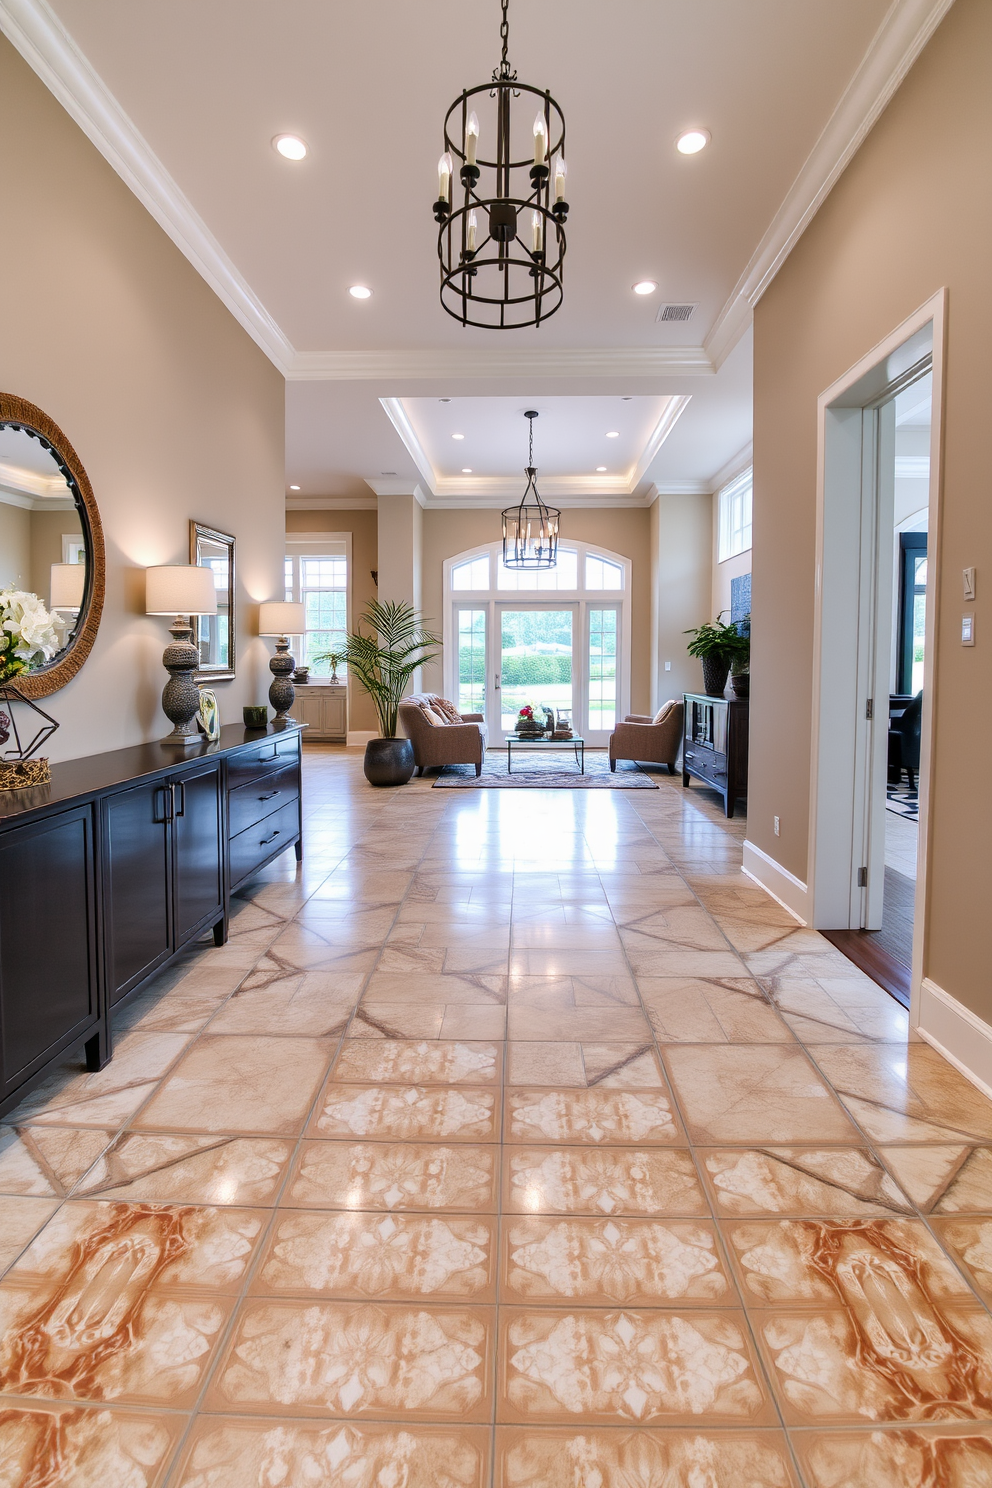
(180, 589)
(68, 580)
(277, 617)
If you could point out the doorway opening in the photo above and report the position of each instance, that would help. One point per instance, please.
(873, 681)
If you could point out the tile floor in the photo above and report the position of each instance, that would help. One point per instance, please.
(515, 1139)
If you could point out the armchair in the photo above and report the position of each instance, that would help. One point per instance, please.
(653, 740)
(440, 735)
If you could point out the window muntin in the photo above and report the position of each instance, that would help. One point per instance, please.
(735, 517)
(471, 575)
(471, 660)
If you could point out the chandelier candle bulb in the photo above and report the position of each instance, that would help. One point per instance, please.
(471, 138)
(561, 171)
(540, 140)
(536, 231)
(471, 226)
(445, 167)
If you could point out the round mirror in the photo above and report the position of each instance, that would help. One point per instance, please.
(51, 542)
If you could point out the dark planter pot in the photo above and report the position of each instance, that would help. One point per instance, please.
(741, 683)
(715, 675)
(388, 761)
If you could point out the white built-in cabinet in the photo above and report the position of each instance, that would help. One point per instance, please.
(323, 707)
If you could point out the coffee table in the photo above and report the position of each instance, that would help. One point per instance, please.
(576, 744)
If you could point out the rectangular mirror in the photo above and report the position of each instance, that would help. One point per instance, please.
(213, 635)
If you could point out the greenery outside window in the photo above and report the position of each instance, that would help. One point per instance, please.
(316, 575)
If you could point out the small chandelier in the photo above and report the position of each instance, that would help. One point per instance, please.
(502, 247)
(530, 530)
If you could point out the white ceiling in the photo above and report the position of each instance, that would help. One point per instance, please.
(185, 97)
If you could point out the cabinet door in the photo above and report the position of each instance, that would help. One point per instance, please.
(48, 964)
(198, 862)
(335, 714)
(137, 868)
(309, 709)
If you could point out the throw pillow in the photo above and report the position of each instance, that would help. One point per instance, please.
(446, 709)
(663, 711)
(432, 718)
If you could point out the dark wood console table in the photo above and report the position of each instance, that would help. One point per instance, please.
(714, 745)
(111, 869)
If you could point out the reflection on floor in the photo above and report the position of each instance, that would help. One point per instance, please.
(516, 1138)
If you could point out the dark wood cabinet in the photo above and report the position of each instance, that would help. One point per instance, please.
(106, 873)
(714, 745)
(49, 986)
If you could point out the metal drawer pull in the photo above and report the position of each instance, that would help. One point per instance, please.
(264, 840)
(268, 795)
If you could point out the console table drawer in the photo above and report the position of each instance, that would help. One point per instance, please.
(250, 804)
(271, 754)
(707, 763)
(253, 847)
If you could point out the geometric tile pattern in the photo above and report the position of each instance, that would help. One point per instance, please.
(515, 1138)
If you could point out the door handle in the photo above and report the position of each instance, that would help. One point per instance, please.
(272, 838)
(497, 682)
(180, 786)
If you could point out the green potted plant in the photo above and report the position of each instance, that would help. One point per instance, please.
(740, 667)
(383, 662)
(717, 645)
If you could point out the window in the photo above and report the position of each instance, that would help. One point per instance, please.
(735, 517)
(602, 574)
(564, 576)
(471, 575)
(319, 579)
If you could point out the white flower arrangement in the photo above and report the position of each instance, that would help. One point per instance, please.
(28, 635)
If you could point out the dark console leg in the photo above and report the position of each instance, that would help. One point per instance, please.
(220, 932)
(98, 1049)
(299, 850)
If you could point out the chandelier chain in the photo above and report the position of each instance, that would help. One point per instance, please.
(530, 442)
(502, 73)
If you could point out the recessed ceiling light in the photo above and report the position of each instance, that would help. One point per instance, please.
(290, 146)
(294, 488)
(692, 141)
(444, 400)
(360, 292)
(645, 286)
(613, 434)
(458, 436)
(466, 470)
(600, 469)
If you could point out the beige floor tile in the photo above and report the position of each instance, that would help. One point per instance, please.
(47, 1161)
(906, 1093)
(376, 1256)
(21, 1218)
(616, 1066)
(409, 1062)
(396, 1176)
(474, 1022)
(606, 1262)
(186, 1169)
(545, 1062)
(240, 1084)
(360, 1359)
(922, 1457)
(693, 1010)
(565, 962)
(109, 1097)
(228, 1452)
(408, 1113)
(969, 1241)
(752, 1093)
(841, 1181)
(453, 988)
(627, 1023)
(943, 1179)
(711, 965)
(397, 1020)
(575, 1180)
(606, 1118)
(287, 1007)
(70, 1446)
(565, 1457)
(615, 1368)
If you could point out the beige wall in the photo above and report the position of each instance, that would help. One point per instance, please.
(624, 531)
(364, 528)
(680, 549)
(910, 215)
(47, 530)
(15, 546)
(173, 410)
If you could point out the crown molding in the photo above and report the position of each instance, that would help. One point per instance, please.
(331, 503)
(734, 467)
(44, 44)
(904, 32)
(494, 362)
(674, 408)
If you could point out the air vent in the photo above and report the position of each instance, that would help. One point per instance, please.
(670, 313)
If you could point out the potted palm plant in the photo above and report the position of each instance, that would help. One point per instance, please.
(382, 662)
(717, 646)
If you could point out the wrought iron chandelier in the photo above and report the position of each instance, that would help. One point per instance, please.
(530, 530)
(502, 246)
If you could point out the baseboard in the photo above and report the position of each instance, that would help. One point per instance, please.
(783, 886)
(964, 1039)
(360, 737)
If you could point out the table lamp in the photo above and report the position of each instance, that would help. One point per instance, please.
(68, 581)
(181, 590)
(281, 618)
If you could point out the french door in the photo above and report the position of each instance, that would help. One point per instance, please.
(565, 655)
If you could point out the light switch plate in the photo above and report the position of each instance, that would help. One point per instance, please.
(967, 630)
(968, 574)
(668, 666)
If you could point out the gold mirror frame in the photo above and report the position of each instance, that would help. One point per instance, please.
(57, 673)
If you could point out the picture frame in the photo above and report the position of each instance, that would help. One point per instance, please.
(214, 635)
(208, 718)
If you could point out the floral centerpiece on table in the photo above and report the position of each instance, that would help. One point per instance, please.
(531, 719)
(28, 636)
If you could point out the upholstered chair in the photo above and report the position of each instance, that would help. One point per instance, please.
(440, 735)
(654, 740)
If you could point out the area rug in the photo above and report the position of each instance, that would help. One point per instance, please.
(903, 801)
(545, 772)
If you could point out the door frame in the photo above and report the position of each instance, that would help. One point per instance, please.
(845, 747)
